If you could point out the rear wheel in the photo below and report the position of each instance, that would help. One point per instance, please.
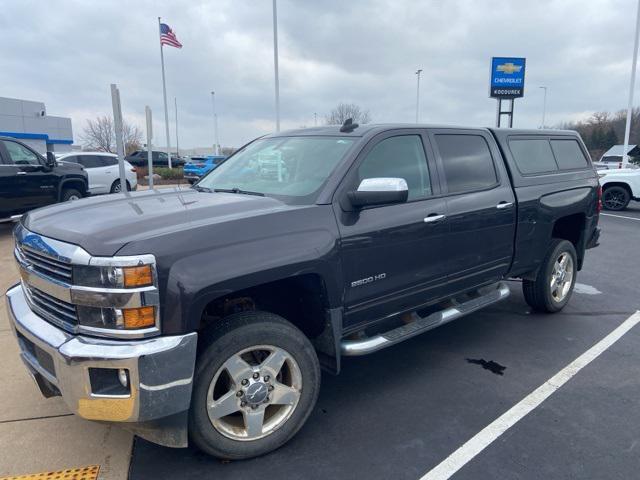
(615, 198)
(117, 188)
(257, 379)
(552, 288)
(70, 194)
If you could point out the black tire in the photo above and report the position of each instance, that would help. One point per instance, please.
(222, 341)
(115, 186)
(70, 194)
(538, 292)
(615, 198)
(191, 181)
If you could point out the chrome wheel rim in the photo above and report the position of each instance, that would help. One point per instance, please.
(561, 277)
(254, 393)
(117, 187)
(73, 197)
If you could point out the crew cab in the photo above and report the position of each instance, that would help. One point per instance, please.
(140, 158)
(205, 315)
(28, 180)
(619, 187)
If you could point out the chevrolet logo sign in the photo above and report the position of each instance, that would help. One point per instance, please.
(509, 68)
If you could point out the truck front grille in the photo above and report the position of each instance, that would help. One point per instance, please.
(56, 311)
(46, 265)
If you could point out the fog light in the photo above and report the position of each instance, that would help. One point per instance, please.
(123, 377)
(142, 317)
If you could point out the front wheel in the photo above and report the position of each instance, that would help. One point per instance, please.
(257, 379)
(117, 188)
(71, 194)
(552, 288)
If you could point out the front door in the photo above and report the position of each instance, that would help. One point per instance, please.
(391, 257)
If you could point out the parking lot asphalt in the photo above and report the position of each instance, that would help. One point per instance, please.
(400, 412)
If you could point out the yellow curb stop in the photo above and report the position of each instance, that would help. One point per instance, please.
(82, 473)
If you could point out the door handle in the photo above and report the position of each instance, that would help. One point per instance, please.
(434, 218)
(502, 205)
(21, 172)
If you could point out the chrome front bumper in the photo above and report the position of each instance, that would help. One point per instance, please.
(160, 373)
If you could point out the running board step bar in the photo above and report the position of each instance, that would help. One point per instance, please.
(487, 296)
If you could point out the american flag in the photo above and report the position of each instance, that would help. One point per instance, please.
(167, 37)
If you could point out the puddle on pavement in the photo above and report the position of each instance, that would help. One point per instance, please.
(490, 365)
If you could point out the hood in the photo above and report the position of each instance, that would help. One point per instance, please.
(103, 225)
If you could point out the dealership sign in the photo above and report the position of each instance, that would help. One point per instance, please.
(507, 77)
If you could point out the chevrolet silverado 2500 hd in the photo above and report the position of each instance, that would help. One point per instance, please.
(205, 315)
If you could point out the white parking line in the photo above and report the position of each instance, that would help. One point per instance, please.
(620, 216)
(491, 432)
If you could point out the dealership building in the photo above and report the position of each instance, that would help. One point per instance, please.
(28, 122)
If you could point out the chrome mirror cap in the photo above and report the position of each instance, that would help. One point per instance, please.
(383, 184)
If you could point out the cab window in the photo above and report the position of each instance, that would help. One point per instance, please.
(399, 157)
(20, 155)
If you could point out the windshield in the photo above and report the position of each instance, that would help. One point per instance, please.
(292, 168)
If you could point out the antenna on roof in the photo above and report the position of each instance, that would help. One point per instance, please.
(348, 126)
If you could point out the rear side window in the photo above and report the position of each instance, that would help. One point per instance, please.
(90, 161)
(533, 155)
(109, 161)
(569, 154)
(467, 162)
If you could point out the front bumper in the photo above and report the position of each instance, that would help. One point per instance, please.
(160, 373)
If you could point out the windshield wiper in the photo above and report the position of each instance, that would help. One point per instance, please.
(237, 190)
(202, 189)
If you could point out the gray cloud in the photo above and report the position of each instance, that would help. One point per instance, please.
(66, 53)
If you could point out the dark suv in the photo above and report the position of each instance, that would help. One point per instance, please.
(159, 159)
(28, 180)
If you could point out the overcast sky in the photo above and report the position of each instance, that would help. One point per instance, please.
(66, 53)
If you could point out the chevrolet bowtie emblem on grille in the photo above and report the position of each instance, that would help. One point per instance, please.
(509, 68)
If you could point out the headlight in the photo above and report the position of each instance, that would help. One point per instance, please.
(113, 277)
(116, 318)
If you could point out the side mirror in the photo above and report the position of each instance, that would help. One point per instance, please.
(379, 191)
(51, 160)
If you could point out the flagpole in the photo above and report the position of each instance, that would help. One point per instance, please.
(175, 101)
(164, 93)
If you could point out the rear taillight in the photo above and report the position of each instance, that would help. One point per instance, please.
(599, 208)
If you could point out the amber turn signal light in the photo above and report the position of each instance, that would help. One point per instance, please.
(142, 317)
(138, 276)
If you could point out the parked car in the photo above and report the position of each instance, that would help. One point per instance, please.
(28, 180)
(240, 289)
(103, 171)
(196, 167)
(619, 187)
(159, 159)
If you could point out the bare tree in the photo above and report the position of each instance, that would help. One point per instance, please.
(99, 134)
(343, 111)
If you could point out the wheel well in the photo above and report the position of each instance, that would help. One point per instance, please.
(301, 300)
(570, 228)
(617, 184)
(75, 184)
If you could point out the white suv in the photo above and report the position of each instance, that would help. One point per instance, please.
(619, 186)
(102, 168)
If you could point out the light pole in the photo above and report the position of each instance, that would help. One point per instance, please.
(275, 63)
(418, 72)
(216, 147)
(627, 127)
(175, 103)
(544, 105)
(315, 119)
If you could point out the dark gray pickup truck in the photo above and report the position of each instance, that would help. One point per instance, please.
(205, 314)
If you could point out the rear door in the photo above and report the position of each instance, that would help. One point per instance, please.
(392, 259)
(27, 182)
(481, 207)
(100, 174)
